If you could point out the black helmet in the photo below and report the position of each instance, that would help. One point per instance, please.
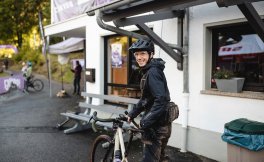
(142, 45)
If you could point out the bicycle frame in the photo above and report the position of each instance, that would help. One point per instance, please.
(119, 144)
(120, 152)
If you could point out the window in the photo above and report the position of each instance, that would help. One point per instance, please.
(122, 72)
(238, 48)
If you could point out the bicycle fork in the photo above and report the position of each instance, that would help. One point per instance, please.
(119, 144)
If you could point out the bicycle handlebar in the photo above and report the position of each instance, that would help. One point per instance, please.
(117, 119)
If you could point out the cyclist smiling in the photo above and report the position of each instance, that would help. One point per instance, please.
(155, 97)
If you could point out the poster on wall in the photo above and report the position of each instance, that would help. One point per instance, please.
(116, 55)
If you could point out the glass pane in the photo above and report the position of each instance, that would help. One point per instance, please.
(135, 74)
(117, 60)
(244, 55)
(123, 73)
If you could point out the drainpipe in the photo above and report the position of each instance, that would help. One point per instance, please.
(100, 22)
(114, 29)
(185, 80)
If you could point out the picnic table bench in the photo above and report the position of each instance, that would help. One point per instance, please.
(112, 105)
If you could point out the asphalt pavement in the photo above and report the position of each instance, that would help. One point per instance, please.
(28, 130)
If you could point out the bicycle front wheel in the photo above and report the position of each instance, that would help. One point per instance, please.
(102, 150)
(38, 85)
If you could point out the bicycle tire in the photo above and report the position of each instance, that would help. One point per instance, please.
(102, 150)
(38, 85)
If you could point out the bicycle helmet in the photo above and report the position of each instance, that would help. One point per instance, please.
(142, 45)
(29, 63)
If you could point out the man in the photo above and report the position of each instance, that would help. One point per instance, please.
(155, 96)
(77, 78)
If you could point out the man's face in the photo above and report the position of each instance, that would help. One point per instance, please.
(142, 58)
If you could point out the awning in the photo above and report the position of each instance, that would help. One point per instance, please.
(67, 46)
(249, 44)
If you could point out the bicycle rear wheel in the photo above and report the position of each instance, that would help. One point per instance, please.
(102, 150)
(38, 85)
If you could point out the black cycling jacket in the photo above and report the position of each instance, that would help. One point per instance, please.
(155, 95)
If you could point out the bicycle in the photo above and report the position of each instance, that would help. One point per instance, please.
(35, 84)
(107, 149)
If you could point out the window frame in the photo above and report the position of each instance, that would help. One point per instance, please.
(210, 58)
(106, 67)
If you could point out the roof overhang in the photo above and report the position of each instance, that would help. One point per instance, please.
(126, 8)
(69, 28)
(67, 46)
(119, 10)
(122, 13)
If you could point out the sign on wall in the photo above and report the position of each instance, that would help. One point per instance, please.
(116, 55)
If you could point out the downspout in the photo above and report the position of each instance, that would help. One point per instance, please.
(117, 30)
(114, 29)
(185, 81)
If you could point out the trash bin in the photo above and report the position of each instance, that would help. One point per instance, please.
(245, 140)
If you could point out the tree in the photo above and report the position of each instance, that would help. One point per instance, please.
(17, 18)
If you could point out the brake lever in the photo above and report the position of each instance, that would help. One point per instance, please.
(93, 123)
(122, 117)
(133, 121)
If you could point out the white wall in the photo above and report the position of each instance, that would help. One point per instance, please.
(212, 112)
(67, 25)
(94, 55)
(167, 30)
(208, 113)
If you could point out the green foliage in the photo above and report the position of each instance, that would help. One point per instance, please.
(222, 74)
(40, 67)
(56, 68)
(17, 18)
(27, 54)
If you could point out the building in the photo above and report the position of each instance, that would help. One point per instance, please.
(203, 109)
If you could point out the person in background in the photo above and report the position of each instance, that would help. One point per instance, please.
(28, 71)
(24, 73)
(155, 96)
(77, 78)
(6, 63)
(24, 68)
